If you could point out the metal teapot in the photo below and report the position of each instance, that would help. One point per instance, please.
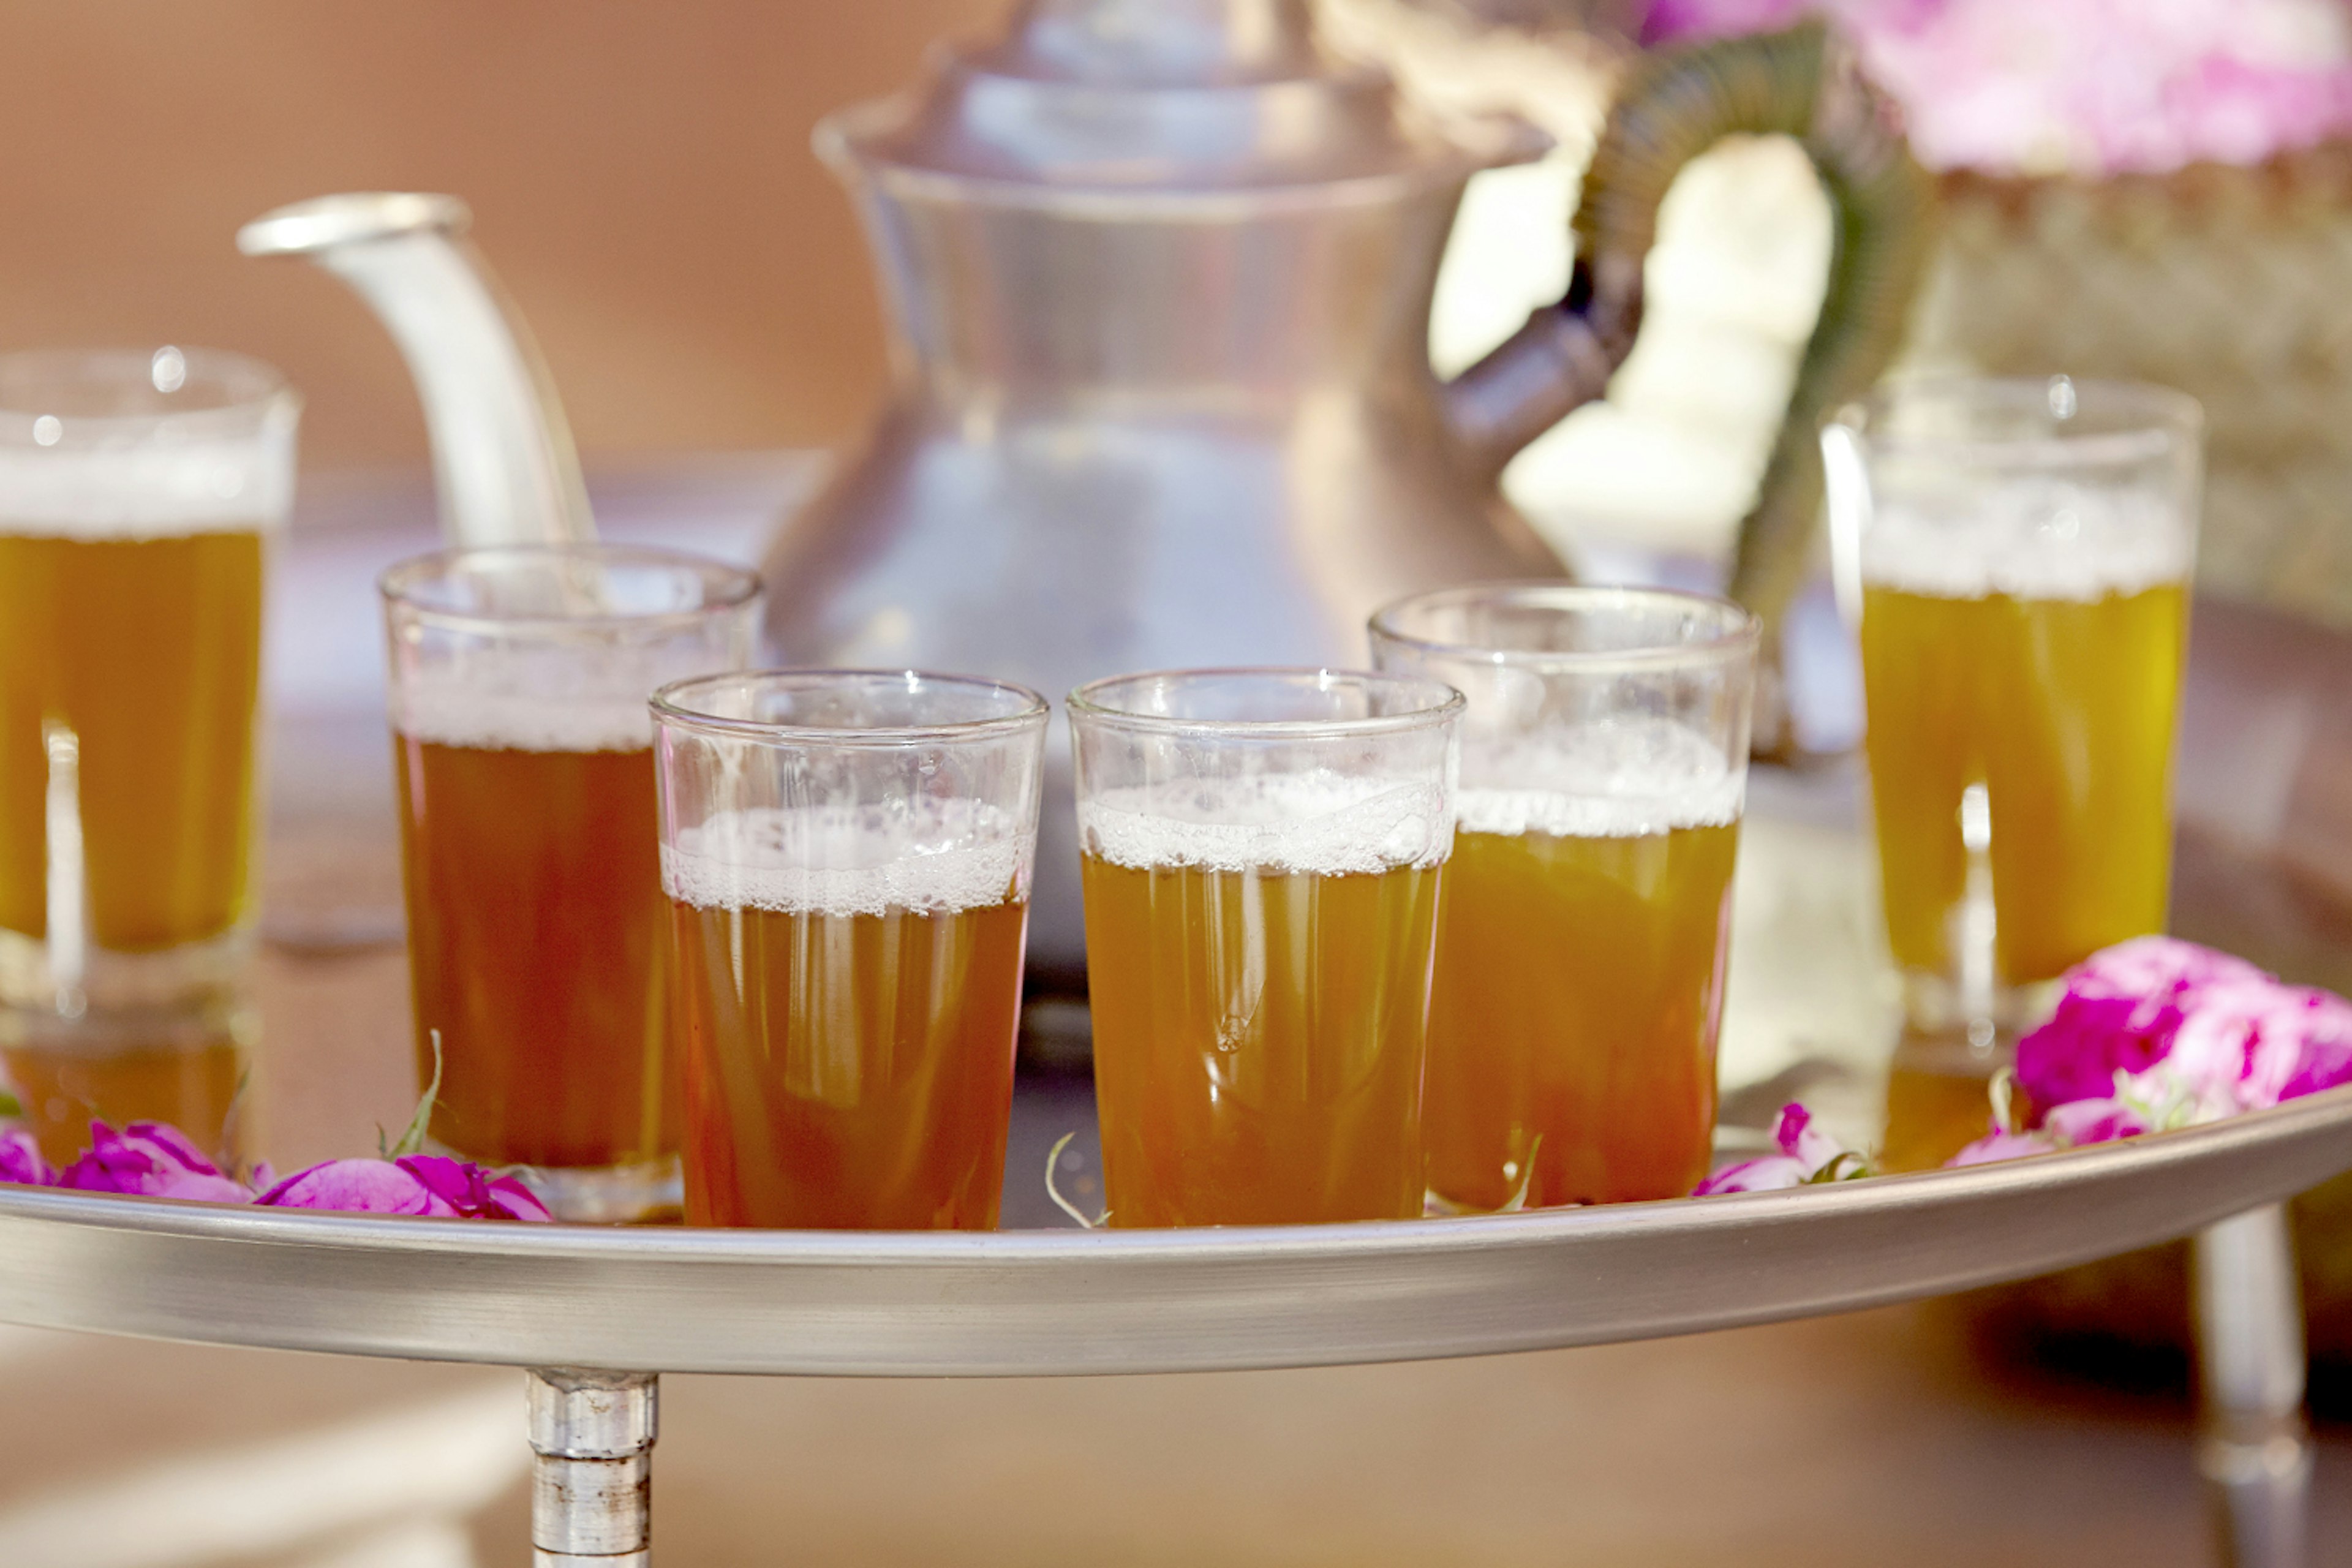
(1158, 275)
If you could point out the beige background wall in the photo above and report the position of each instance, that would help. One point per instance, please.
(639, 172)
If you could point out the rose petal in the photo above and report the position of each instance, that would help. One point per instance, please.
(21, 1161)
(2081, 1122)
(356, 1187)
(1999, 1145)
(1763, 1174)
(430, 1184)
(149, 1159)
(516, 1201)
(2326, 1059)
(455, 1182)
(2076, 1055)
(168, 1144)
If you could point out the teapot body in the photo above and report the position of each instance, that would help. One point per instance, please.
(1129, 432)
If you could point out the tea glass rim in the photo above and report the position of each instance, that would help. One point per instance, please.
(668, 707)
(2139, 420)
(1087, 702)
(737, 585)
(251, 395)
(1740, 633)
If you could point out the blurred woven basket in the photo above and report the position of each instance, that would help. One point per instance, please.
(2233, 284)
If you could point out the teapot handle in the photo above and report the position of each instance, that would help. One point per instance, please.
(1676, 105)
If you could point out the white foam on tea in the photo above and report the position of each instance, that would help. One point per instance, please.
(2029, 539)
(1617, 778)
(146, 490)
(553, 699)
(1319, 822)
(934, 856)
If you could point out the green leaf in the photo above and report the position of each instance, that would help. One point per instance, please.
(412, 1141)
(1844, 1167)
(10, 1105)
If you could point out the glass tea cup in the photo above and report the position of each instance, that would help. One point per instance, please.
(1261, 856)
(848, 858)
(1585, 932)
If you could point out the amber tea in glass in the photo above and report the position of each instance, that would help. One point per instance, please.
(1262, 856)
(2018, 556)
(138, 495)
(537, 937)
(846, 855)
(1584, 932)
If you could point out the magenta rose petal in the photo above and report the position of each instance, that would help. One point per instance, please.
(453, 1182)
(2083, 1121)
(2324, 1060)
(356, 1187)
(21, 1161)
(1803, 1141)
(148, 1159)
(427, 1185)
(1763, 1174)
(1999, 1145)
(509, 1196)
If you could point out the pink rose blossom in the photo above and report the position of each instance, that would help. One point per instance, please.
(2244, 1046)
(152, 1159)
(1761, 1174)
(2121, 1009)
(412, 1184)
(1807, 1155)
(21, 1161)
(2081, 86)
(2154, 1034)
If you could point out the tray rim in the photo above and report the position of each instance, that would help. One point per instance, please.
(1050, 1301)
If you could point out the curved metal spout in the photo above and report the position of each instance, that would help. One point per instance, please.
(501, 452)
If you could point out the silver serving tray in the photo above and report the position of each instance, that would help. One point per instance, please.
(1023, 1303)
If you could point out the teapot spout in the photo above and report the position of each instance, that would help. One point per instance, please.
(1559, 361)
(502, 454)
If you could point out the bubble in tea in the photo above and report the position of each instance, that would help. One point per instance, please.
(851, 985)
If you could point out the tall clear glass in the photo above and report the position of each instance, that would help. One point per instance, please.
(848, 856)
(2017, 554)
(140, 492)
(1585, 930)
(1261, 852)
(537, 942)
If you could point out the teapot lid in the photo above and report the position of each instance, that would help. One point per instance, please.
(1176, 97)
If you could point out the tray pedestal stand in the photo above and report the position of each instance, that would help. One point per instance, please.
(2254, 1448)
(592, 1436)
